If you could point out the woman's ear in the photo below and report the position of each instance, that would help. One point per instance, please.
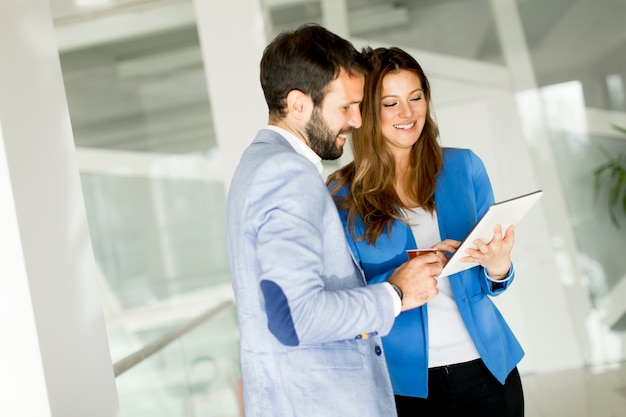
(299, 105)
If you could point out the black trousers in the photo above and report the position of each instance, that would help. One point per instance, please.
(466, 389)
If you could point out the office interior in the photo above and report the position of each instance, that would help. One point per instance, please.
(123, 120)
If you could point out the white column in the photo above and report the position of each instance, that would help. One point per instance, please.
(555, 305)
(54, 354)
(335, 17)
(232, 39)
(513, 44)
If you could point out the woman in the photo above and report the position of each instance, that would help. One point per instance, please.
(454, 356)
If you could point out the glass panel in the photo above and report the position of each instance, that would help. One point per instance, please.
(615, 90)
(197, 375)
(600, 242)
(154, 195)
(156, 239)
(459, 28)
(577, 40)
(567, 39)
(578, 153)
(144, 94)
(289, 15)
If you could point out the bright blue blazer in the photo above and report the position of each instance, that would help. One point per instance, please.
(463, 194)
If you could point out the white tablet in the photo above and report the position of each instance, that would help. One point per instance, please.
(505, 213)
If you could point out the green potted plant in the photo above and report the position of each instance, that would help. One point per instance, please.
(612, 174)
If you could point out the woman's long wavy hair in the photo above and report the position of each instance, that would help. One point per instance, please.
(372, 174)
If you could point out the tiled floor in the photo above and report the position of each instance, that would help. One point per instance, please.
(587, 392)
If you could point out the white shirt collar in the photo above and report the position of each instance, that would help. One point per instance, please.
(300, 147)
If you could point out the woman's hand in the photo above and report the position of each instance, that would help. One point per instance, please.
(446, 248)
(494, 256)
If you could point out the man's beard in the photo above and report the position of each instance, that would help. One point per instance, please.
(321, 139)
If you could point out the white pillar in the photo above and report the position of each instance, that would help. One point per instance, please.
(54, 354)
(335, 17)
(513, 44)
(233, 36)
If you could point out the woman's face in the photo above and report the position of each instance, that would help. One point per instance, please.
(403, 109)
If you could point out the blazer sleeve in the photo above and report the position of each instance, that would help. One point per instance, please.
(304, 301)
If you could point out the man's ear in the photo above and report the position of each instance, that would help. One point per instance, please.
(299, 105)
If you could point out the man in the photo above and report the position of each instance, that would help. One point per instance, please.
(310, 327)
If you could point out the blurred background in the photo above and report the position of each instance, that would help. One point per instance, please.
(163, 96)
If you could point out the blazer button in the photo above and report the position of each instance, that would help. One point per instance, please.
(378, 350)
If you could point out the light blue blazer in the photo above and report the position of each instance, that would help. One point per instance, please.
(462, 196)
(310, 325)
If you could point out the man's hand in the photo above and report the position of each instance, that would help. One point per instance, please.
(417, 279)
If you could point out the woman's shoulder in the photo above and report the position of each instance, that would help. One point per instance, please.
(338, 189)
(339, 181)
(458, 155)
(456, 152)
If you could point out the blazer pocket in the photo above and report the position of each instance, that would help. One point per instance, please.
(331, 357)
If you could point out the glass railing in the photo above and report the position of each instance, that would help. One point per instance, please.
(157, 229)
(191, 369)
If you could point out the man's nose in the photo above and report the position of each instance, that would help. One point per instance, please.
(355, 119)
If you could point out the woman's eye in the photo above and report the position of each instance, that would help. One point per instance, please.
(389, 104)
(416, 98)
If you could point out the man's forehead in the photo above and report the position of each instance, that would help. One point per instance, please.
(346, 84)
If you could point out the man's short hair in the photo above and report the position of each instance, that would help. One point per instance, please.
(305, 59)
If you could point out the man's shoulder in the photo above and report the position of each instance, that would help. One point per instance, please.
(271, 152)
(269, 141)
(266, 146)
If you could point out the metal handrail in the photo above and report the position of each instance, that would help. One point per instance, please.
(150, 349)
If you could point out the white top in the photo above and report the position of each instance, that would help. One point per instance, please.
(448, 340)
(303, 149)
